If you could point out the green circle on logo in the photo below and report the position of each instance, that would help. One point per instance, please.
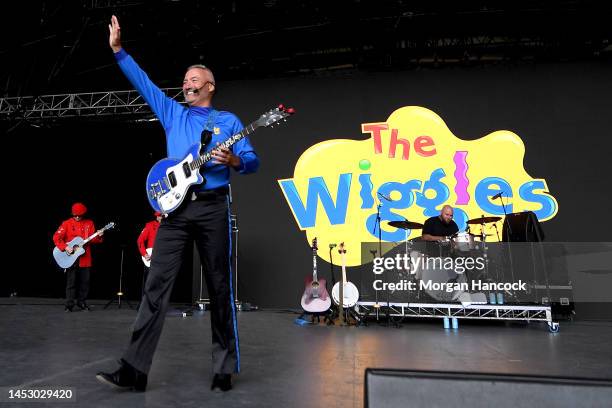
(364, 164)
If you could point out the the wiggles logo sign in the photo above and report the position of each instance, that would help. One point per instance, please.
(414, 159)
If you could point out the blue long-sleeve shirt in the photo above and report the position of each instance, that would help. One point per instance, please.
(184, 125)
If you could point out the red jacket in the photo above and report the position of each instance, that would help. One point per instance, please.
(146, 239)
(72, 228)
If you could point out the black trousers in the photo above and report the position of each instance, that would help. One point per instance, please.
(145, 273)
(77, 284)
(206, 221)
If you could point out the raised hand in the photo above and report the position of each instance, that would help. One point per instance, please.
(114, 38)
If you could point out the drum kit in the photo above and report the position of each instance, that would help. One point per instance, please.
(461, 244)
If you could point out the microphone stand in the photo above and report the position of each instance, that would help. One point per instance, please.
(333, 278)
(377, 223)
(506, 222)
(331, 264)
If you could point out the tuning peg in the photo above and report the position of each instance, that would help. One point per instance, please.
(290, 111)
(281, 107)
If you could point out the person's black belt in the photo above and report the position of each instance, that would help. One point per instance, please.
(204, 195)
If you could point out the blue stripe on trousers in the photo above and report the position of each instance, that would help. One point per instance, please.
(229, 223)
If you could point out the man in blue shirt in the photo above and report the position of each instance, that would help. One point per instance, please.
(203, 217)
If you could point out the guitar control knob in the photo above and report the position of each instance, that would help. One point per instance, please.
(177, 196)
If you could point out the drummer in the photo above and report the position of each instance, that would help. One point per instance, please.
(439, 229)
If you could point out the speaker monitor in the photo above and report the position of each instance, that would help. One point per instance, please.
(405, 388)
(522, 227)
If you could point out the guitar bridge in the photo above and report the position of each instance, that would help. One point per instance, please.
(156, 190)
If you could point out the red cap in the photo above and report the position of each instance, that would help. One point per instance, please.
(157, 213)
(79, 209)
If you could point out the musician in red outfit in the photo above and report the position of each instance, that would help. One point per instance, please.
(146, 239)
(77, 276)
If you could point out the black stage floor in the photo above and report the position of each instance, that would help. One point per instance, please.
(283, 364)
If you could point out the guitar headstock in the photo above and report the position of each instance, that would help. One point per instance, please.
(314, 244)
(341, 249)
(109, 226)
(280, 113)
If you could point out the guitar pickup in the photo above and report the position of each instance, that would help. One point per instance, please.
(186, 170)
(172, 179)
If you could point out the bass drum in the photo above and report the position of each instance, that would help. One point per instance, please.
(350, 294)
(434, 279)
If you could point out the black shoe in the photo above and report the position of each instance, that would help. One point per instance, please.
(68, 308)
(84, 306)
(126, 377)
(222, 381)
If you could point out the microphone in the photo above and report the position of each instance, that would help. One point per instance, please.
(498, 195)
(332, 246)
(195, 90)
(385, 197)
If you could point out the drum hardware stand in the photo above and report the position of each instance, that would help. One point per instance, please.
(376, 305)
(485, 248)
(496, 231)
(485, 253)
(409, 245)
(499, 240)
(413, 272)
(500, 195)
(377, 224)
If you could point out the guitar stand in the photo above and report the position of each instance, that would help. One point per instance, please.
(313, 316)
(351, 318)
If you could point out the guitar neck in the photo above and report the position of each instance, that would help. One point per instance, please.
(95, 234)
(92, 236)
(343, 269)
(341, 291)
(314, 266)
(206, 157)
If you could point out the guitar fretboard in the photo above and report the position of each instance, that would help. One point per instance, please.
(98, 232)
(314, 266)
(206, 157)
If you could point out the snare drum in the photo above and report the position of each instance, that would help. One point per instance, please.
(463, 242)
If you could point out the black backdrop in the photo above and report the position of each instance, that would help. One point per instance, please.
(561, 111)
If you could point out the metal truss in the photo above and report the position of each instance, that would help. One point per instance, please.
(79, 104)
(441, 310)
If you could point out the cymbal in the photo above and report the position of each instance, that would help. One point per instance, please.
(405, 224)
(480, 237)
(483, 220)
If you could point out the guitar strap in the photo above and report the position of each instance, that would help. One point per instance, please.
(206, 137)
(209, 127)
